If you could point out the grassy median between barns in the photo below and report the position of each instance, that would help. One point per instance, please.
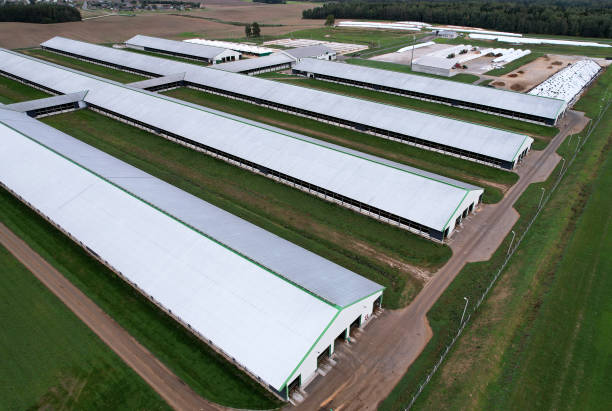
(51, 360)
(495, 181)
(379, 251)
(12, 91)
(536, 130)
(190, 359)
(85, 66)
(542, 338)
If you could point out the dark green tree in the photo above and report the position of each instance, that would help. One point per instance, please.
(248, 31)
(330, 20)
(256, 31)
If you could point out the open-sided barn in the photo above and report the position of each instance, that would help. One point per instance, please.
(270, 307)
(193, 51)
(424, 203)
(470, 141)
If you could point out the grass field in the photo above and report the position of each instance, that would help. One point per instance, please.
(403, 68)
(376, 250)
(51, 360)
(541, 340)
(535, 130)
(87, 67)
(494, 180)
(12, 91)
(196, 364)
(514, 64)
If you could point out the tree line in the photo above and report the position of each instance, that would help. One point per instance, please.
(271, 1)
(586, 18)
(39, 13)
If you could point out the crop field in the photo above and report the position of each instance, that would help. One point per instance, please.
(376, 250)
(542, 338)
(495, 181)
(12, 91)
(51, 360)
(85, 66)
(536, 130)
(190, 359)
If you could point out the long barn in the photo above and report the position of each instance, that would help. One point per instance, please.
(424, 203)
(273, 309)
(486, 145)
(489, 100)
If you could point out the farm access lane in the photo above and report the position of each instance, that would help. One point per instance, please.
(170, 387)
(366, 373)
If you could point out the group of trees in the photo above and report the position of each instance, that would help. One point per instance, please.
(39, 13)
(252, 30)
(586, 18)
(271, 1)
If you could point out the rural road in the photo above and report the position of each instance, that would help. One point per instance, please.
(171, 388)
(366, 374)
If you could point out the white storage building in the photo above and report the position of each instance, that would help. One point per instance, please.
(421, 202)
(470, 141)
(200, 52)
(273, 309)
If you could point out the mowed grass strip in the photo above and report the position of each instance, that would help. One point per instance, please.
(541, 338)
(52, 360)
(379, 251)
(540, 132)
(495, 181)
(12, 91)
(85, 66)
(190, 359)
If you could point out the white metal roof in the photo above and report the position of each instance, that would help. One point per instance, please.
(45, 102)
(411, 195)
(314, 50)
(189, 49)
(488, 141)
(240, 66)
(245, 48)
(487, 96)
(258, 318)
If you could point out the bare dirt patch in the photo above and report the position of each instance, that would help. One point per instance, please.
(531, 74)
(498, 83)
(120, 28)
(517, 87)
(512, 75)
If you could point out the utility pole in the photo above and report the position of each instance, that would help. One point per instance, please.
(464, 308)
(562, 165)
(511, 241)
(541, 197)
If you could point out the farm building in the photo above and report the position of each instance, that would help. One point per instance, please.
(426, 204)
(490, 100)
(568, 83)
(446, 34)
(434, 65)
(241, 47)
(470, 141)
(208, 54)
(270, 307)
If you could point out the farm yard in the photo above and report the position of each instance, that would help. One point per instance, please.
(375, 202)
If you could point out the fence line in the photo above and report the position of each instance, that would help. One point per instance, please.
(509, 255)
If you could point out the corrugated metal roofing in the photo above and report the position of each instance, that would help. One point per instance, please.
(245, 65)
(181, 47)
(310, 51)
(414, 196)
(46, 102)
(241, 307)
(487, 96)
(487, 141)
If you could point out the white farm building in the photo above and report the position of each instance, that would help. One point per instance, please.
(208, 54)
(270, 307)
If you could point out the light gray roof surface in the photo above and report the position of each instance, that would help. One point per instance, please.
(502, 99)
(488, 141)
(243, 65)
(158, 81)
(46, 102)
(188, 49)
(323, 278)
(310, 51)
(414, 196)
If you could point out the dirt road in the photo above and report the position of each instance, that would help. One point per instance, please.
(171, 388)
(366, 374)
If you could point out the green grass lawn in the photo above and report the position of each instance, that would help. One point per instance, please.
(52, 360)
(542, 338)
(513, 65)
(404, 68)
(195, 363)
(492, 179)
(535, 130)
(85, 66)
(12, 91)
(362, 244)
